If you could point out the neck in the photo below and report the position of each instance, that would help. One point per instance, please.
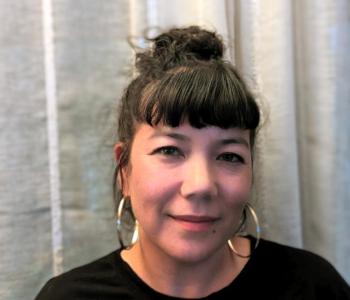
(183, 279)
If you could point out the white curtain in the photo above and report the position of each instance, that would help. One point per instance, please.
(65, 63)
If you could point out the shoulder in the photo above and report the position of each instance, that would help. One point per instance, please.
(301, 259)
(99, 274)
(306, 271)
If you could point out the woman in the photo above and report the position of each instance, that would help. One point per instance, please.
(187, 126)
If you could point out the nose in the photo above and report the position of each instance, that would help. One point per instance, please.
(199, 179)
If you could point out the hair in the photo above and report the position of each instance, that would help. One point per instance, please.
(183, 76)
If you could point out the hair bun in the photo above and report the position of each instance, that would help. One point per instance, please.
(189, 42)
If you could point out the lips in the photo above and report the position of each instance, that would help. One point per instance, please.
(194, 218)
(194, 223)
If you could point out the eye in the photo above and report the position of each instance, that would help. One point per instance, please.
(231, 157)
(168, 151)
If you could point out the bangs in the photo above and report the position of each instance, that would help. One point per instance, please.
(205, 95)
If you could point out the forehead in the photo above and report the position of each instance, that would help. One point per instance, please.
(187, 133)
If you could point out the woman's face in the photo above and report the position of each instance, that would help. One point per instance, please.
(188, 187)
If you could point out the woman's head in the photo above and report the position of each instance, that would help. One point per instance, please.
(184, 77)
(183, 82)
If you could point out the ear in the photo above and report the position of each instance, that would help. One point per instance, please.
(121, 178)
(118, 150)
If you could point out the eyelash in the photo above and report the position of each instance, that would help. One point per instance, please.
(165, 151)
(234, 158)
(174, 151)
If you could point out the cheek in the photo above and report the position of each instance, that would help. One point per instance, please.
(149, 188)
(238, 189)
(237, 194)
(143, 179)
(136, 175)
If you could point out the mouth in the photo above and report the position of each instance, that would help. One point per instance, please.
(195, 223)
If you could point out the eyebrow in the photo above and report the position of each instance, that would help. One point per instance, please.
(237, 140)
(174, 135)
(181, 137)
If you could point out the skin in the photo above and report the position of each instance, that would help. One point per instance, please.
(188, 188)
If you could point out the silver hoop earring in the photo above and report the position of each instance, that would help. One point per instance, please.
(120, 212)
(257, 228)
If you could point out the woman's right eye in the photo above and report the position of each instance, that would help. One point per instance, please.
(168, 151)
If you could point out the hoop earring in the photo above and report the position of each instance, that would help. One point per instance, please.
(257, 228)
(134, 237)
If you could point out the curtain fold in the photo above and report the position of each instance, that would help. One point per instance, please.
(322, 35)
(265, 57)
(293, 54)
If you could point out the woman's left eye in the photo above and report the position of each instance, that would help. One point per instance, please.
(231, 157)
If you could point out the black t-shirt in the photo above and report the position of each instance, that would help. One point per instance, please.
(274, 271)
